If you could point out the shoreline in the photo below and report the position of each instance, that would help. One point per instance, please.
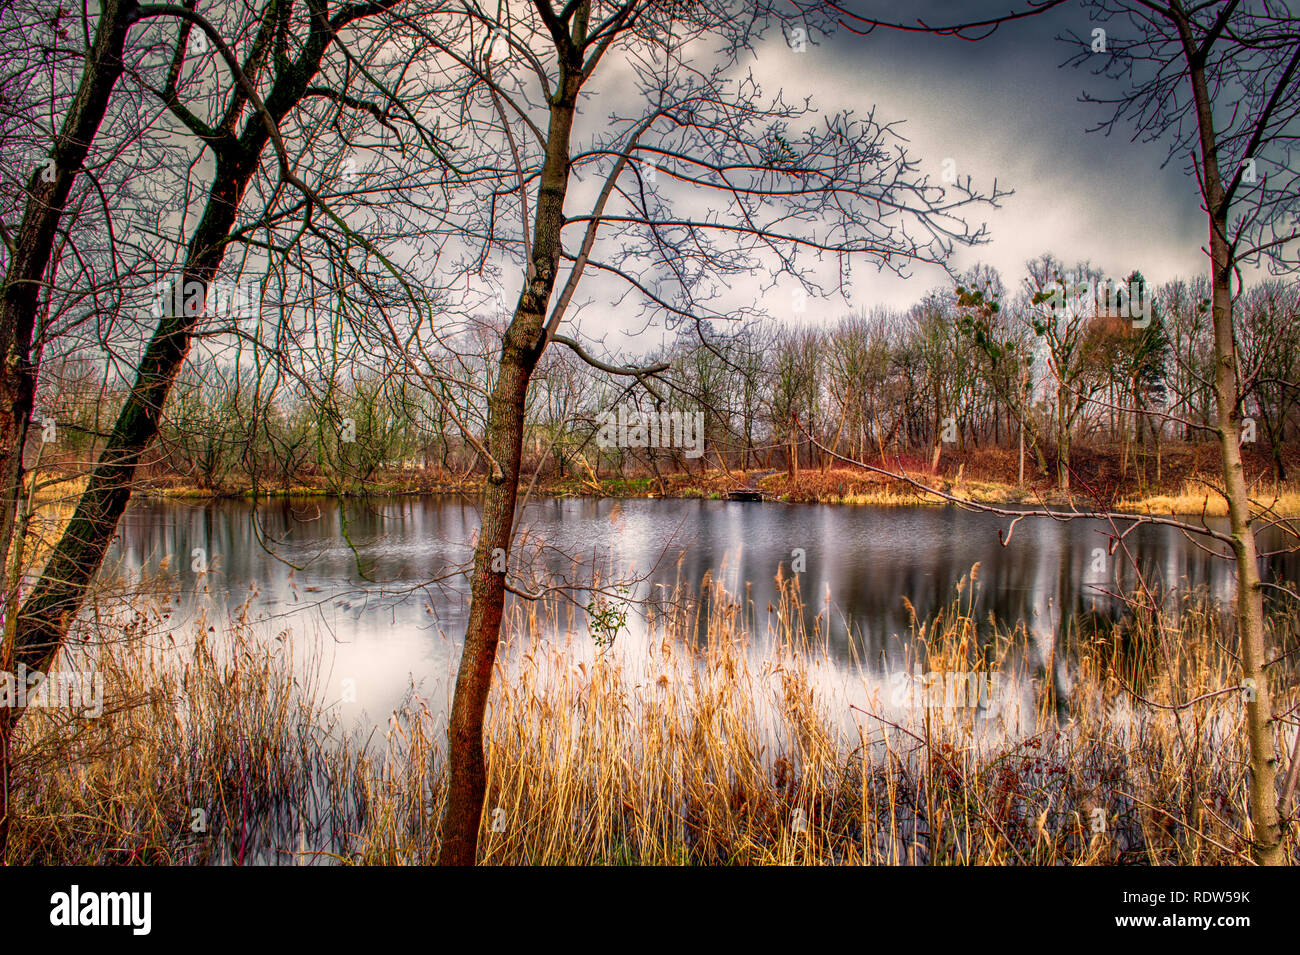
(838, 487)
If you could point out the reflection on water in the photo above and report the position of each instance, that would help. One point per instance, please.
(375, 577)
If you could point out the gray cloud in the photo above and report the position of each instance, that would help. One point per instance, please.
(1004, 108)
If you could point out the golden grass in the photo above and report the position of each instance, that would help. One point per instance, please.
(888, 496)
(896, 494)
(1198, 498)
(663, 751)
(52, 487)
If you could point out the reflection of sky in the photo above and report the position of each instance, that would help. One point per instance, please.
(361, 586)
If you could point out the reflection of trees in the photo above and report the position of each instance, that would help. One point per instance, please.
(870, 559)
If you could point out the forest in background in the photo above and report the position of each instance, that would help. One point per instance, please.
(968, 369)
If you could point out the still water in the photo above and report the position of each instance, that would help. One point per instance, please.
(373, 581)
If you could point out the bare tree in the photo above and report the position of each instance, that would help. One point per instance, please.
(269, 76)
(30, 246)
(698, 178)
(1220, 82)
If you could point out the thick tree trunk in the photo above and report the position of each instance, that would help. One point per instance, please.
(47, 192)
(54, 602)
(56, 598)
(525, 339)
(467, 768)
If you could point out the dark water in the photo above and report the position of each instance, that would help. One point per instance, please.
(374, 582)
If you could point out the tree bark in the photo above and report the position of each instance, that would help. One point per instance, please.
(47, 192)
(1250, 603)
(1062, 442)
(56, 598)
(524, 342)
(55, 601)
(1267, 835)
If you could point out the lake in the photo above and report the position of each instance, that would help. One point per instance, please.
(373, 580)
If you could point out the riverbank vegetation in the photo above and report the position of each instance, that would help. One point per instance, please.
(979, 477)
(791, 405)
(1123, 744)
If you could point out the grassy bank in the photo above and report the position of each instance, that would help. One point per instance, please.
(1107, 478)
(834, 486)
(666, 753)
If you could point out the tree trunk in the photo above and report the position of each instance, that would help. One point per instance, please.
(47, 191)
(56, 598)
(524, 341)
(55, 601)
(1020, 480)
(1062, 442)
(1267, 836)
(1250, 603)
(467, 767)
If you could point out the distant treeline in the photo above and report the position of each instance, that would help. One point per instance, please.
(968, 367)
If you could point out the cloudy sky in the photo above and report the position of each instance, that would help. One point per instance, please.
(1004, 108)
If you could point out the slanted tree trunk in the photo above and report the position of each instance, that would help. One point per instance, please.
(54, 602)
(524, 341)
(47, 192)
(467, 768)
(56, 598)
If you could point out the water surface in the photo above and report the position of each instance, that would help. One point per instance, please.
(375, 581)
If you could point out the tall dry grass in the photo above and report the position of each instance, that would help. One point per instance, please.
(1199, 498)
(728, 736)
